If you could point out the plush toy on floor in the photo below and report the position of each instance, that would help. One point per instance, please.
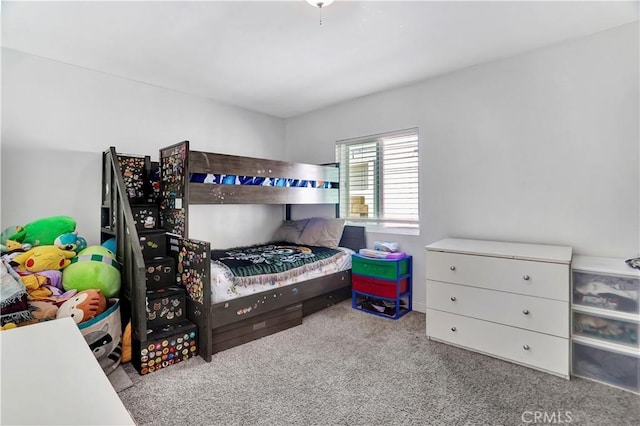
(10, 247)
(43, 310)
(43, 258)
(93, 268)
(43, 232)
(110, 244)
(126, 343)
(84, 306)
(40, 271)
(7, 233)
(71, 241)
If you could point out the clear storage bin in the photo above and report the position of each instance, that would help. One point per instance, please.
(606, 365)
(606, 291)
(605, 328)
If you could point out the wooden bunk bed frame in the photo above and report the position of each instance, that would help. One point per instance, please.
(237, 321)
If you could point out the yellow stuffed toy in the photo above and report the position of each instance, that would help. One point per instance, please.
(126, 344)
(8, 326)
(43, 258)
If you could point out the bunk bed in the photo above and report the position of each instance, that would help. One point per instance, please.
(194, 177)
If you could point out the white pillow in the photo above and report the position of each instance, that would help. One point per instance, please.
(290, 231)
(322, 232)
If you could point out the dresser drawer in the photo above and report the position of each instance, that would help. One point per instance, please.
(548, 353)
(532, 278)
(528, 312)
(379, 268)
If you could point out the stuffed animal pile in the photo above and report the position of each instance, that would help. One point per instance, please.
(50, 272)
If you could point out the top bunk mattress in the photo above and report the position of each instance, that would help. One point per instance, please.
(243, 271)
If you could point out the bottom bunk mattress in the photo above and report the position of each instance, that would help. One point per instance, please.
(255, 269)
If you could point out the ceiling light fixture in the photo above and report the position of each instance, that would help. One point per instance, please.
(320, 4)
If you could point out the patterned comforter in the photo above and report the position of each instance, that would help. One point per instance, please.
(247, 270)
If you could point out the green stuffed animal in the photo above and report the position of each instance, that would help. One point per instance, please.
(43, 232)
(93, 268)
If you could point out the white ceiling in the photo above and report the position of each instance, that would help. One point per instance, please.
(275, 57)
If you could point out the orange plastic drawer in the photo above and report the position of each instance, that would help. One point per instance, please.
(377, 287)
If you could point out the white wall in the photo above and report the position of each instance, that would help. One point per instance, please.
(58, 119)
(542, 148)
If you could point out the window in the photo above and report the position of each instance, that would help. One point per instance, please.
(379, 179)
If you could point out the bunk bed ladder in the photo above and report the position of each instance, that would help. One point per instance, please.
(118, 222)
(150, 257)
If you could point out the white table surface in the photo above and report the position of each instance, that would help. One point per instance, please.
(51, 377)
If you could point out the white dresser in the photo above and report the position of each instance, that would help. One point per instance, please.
(507, 300)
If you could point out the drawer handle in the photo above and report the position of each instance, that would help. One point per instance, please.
(525, 311)
(525, 277)
(453, 268)
(525, 347)
(453, 298)
(453, 329)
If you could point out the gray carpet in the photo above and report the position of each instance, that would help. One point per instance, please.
(120, 379)
(344, 367)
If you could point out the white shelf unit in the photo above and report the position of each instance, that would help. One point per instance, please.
(605, 321)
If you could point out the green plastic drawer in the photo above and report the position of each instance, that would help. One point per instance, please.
(379, 268)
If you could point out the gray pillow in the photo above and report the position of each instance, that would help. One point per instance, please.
(290, 230)
(322, 232)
